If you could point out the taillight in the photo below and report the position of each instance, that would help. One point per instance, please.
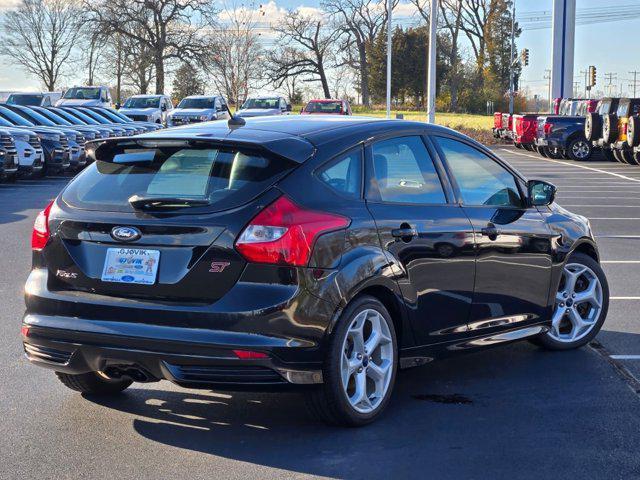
(624, 128)
(40, 234)
(547, 128)
(285, 233)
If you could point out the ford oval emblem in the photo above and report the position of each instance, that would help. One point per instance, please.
(125, 234)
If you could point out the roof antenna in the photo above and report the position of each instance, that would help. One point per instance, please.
(234, 120)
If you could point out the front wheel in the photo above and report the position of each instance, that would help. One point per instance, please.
(581, 305)
(360, 368)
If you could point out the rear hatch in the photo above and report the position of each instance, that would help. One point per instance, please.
(159, 221)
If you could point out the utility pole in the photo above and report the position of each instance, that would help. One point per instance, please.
(586, 81)
(634, 84)
(511, 59)
(389, 45)
(431, 74)
(576, 89)
(610, 78)
(547, 76)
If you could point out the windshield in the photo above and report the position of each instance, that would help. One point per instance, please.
(264, 103)
(36, 118)
(24, 99)
(323, 107)
(108, 114)
(81, 115)
(14, 118)
(98, 118)
(82, 93)
(69, 117)
(142, 102)
(197, 103)
(223, 177)
(52, 116)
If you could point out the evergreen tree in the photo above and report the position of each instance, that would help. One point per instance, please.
(187, 81)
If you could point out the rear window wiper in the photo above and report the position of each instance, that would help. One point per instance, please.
(140, 202)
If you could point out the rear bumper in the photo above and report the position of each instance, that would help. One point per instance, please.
(90, 332)
(150, 353)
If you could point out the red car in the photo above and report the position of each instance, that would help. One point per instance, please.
(327, 106)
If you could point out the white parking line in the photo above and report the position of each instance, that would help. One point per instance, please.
(575, 166)
(624, 298)
(601, 206)
(619, 261)
(625, 357)
(614, 218)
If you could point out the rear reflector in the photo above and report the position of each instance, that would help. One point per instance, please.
(285, 233)
(40, 234)
(249, 355)
(25, 330)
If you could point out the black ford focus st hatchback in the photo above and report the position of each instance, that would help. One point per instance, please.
(323, 253)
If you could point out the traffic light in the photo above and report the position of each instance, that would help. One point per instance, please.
(592, 75)
(525, 57)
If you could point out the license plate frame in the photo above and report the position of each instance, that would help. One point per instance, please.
(134, 266)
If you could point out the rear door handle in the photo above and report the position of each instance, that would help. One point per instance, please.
(490, 231)
(404, 233)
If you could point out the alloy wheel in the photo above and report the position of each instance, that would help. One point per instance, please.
(580, 149)
(578, 304)
(366, 365)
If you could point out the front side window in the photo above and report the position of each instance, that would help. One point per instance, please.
(481, 180)
(405, 172)
(345, 174)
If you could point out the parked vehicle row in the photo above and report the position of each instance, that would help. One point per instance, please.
(37, 140)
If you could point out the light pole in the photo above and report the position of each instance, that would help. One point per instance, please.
(511, 59)
(389, 45)
(431, 73)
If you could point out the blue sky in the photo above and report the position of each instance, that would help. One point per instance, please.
(605, 45)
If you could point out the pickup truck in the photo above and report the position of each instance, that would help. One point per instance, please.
(633, 136)
(563, 135)
(524, 130)
(614, 129)
(147, 108)
(593, 125)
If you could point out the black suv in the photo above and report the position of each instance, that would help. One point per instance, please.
(319, 252)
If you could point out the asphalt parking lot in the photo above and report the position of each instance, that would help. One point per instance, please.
(511, 412)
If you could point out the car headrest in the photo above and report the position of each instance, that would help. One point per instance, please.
(381, 167)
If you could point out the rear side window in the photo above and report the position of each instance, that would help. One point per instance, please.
(345, 174)
(481, 180)
(405, 172)
(222, 177)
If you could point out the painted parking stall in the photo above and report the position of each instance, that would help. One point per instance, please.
(609, 195)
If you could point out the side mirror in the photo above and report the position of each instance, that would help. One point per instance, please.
(288, 107)
(540, 193)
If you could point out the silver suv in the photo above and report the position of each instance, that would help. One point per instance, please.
(147, 108)
(198, 108)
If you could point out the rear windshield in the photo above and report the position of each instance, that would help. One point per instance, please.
(224, 177)
(323, 107)
(24, 99)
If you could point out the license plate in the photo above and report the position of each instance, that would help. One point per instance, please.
(131, 265)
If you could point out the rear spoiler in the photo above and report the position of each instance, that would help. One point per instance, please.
(290, 147)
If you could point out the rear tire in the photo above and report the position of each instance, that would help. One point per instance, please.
(553, 153)
(518, 146)
(542, 152)
(608, 155)
(592, 126)
(563, 328)
(633, 131)
(93, 383)
(345, 366)
(618, 156)
(628, 157)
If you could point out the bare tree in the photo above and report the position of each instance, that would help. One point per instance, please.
(361, 21)
(169, 29)
(94, 49)
(235, 53)
(451, 12)
(308, 47)
(40, 36)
